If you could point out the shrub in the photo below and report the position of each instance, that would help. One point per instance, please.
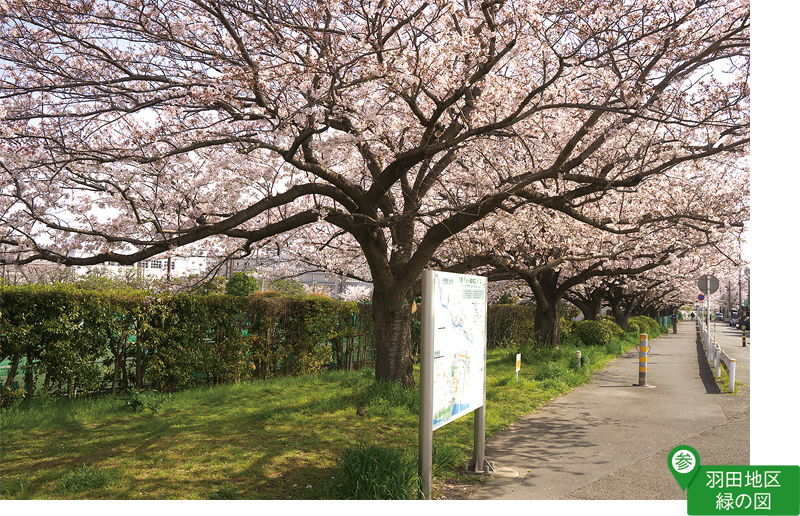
(288, 287)
(595, 333)
(370, 472)
(267, 294)
(82, 341)
(612, 327)
(566, 327)
(633, 327)
(241, 285)
(138, 401)
(318, 295)
(590, 333)
(646, 325)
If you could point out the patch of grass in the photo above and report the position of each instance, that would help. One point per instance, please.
(225, 493)
(281, 438)
(447, 458)
(84, 479)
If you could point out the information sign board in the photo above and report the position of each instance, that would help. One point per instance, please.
(459, 345)
(452, 363)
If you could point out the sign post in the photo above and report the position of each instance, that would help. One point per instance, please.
(452, 361)
(708, 284)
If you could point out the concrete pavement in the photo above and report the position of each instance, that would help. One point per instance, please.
(609, 439)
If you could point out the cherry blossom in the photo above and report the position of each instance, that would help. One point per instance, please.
(136, 127)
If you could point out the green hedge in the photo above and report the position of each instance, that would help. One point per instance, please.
(67, 340)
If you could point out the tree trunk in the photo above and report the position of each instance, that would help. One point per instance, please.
(547, 324)
(12, 371)
(138, 366)
(29, 386)
(115, 351)
(392, 315)
(124, 366)
(115, 377)
(591, 307)
(621, 318)
(621, 306)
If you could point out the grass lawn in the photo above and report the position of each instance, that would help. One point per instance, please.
(277, 439)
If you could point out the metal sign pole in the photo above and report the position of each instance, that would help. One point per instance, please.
(426, 384)
(708, 312)
(479, 444)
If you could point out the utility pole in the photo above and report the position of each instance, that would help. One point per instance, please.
(740, 292)
(730, 300)
(740, 276)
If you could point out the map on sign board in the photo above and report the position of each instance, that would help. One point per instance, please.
(459, 356)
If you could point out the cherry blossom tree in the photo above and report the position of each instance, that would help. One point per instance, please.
(134, 127)
(662, 224)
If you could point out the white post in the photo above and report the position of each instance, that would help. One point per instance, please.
(732, 375)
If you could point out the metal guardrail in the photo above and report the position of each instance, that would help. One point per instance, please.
(717, 357)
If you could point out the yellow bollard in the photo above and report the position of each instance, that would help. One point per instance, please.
(643, 359)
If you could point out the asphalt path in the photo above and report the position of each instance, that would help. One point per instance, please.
(609, 439)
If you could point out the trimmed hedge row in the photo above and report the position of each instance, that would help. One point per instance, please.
(70, 340)
(86, 341)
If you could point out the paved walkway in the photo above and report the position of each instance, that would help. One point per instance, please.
(609, 439)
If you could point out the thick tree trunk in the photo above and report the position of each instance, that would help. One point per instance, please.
(620, 312)
(591, 305)
(548, 297)
(547, 324)
(622, 320)
(392, 315)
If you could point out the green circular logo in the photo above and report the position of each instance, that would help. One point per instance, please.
(684, 462)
